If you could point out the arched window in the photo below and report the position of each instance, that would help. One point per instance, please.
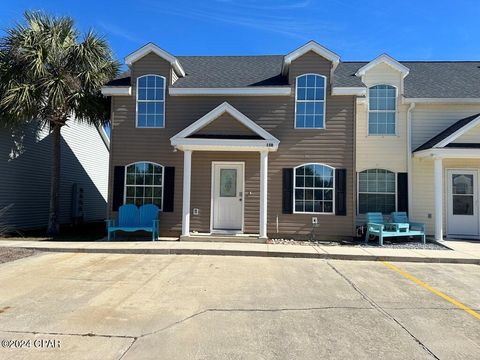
(382, 108)
(314, 188)
(144, 184)
(376, 191)
(310, 102)
(151, 101)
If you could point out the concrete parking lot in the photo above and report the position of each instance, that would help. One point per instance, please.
(119, 306)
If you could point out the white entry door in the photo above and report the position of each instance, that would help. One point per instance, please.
(227, 196)
(463, 214)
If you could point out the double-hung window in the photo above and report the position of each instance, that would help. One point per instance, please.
(310, 102)
(314, 188)
(376, 191)
(151, 101)
(382, 108)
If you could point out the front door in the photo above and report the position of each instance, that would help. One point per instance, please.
(227, 196)
(463, 215)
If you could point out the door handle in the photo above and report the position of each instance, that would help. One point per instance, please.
(240, 199)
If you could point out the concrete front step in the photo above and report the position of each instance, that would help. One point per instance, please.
(233, 238)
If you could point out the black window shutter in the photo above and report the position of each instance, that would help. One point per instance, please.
(118, 187)
(402, 192)
(168, 188)
(287, 196)
(341, 192)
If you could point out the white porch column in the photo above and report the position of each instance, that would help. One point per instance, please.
(438, 175)
(187, 174)
(263, 193)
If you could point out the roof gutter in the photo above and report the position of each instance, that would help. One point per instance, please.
(409, 156)
(442, 100)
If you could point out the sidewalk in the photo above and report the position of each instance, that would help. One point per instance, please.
(462, 252)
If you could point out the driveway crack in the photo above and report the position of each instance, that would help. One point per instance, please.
(381, 310)
(68, 334)
(253, 310)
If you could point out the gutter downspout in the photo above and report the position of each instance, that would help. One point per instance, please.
(409, 157)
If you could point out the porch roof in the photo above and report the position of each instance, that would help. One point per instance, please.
(443, 145)
(261, 140)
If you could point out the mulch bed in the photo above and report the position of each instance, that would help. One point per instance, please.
(12, 254)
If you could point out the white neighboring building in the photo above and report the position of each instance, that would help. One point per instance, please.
(25, 165)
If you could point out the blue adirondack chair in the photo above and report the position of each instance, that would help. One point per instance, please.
(414, 228)
(399, 226)
(131, 218)
(377, 226)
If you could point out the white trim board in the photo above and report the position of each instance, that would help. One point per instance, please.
(116, 90)
(151, 47)
(442, 100)
(355, 91)
(243, 91)
(440, 153)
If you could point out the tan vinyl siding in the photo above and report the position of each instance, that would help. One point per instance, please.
(430, 119)
(333, 146)
(377, 151)
(470, 137)
(225, 124)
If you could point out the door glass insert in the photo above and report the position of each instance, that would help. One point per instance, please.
(462, 194)
(228, 182)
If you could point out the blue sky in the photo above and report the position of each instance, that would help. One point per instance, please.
(356, 30)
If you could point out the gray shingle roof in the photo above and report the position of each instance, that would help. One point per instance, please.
(446, 133)
(231, 71)
(441, 79)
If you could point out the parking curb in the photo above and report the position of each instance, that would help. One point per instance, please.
(259, 253)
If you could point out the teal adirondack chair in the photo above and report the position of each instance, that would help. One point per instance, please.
(377, 226)
(414, 228)
(131, 218)
(398, 227)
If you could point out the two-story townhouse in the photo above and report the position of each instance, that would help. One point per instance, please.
(418, 123)
(257, 145)
(269, 145)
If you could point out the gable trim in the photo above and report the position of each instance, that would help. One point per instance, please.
(214, 114)
(385, 59)
(458, 133)
(151, 47)
(310, 46)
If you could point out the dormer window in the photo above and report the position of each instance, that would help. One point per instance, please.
(151, 101)
(310, 102)
(382, 109)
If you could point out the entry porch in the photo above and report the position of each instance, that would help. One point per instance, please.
(225, 177)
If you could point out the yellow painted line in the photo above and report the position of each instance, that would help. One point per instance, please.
(433, 290)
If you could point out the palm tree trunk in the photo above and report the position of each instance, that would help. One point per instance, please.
(53, 223)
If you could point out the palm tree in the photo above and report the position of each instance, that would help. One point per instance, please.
(53, 75)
